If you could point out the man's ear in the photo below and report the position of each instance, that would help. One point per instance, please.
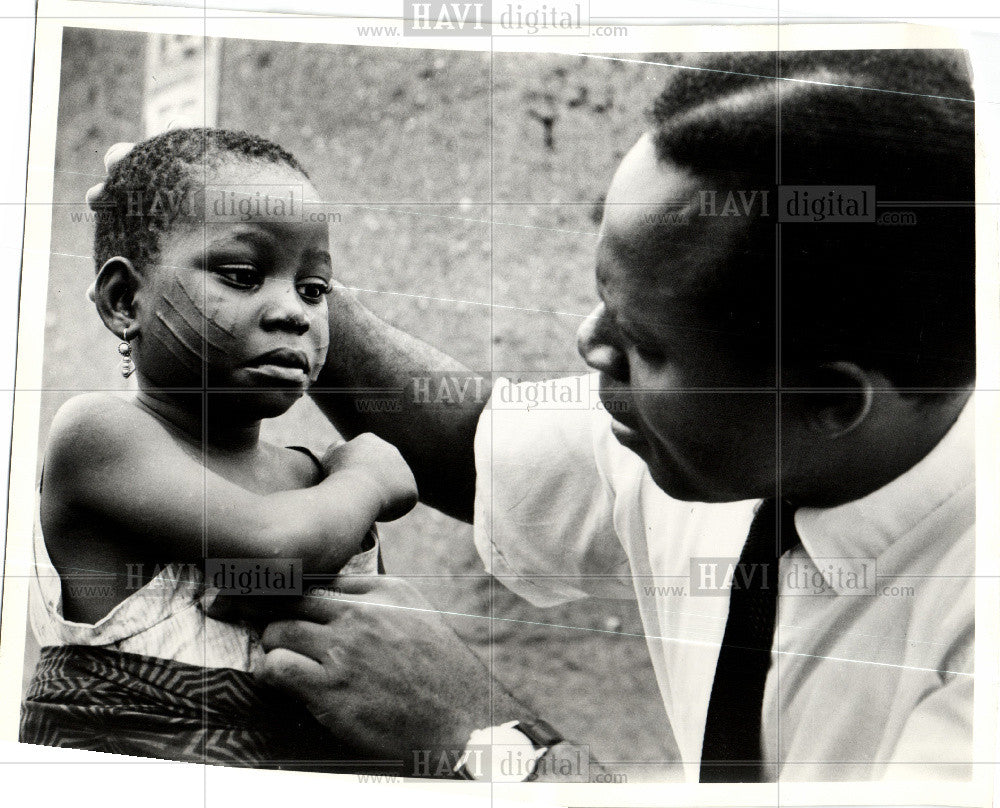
(114, 295)
(840, 400)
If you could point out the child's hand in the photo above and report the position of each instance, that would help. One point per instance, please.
(383, 464)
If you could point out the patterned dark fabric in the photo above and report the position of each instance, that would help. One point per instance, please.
(92, 698)
(731, 750)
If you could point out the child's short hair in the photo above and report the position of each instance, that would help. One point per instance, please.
(135, 206)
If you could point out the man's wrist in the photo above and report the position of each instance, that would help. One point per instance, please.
(566, 762)
(522, 751)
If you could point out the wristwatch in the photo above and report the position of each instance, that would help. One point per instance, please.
(506, 753)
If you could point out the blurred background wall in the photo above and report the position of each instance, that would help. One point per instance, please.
(412, 146)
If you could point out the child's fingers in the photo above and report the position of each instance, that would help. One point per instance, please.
(115, 153)
(93, 194)
(292, 672)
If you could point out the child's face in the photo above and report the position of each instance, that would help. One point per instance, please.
(238, 304)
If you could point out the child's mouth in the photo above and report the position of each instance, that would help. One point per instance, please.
(282, 365)
(281, 373)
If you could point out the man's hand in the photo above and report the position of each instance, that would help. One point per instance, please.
(382, 464)
(115, 152)
(377, 665)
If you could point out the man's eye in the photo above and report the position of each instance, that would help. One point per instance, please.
(647, 353)
(314, 290)
(242, 276)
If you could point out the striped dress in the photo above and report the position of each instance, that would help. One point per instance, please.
(157, 677)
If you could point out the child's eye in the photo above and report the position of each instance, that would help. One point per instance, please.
(242, 276)
(314, 289)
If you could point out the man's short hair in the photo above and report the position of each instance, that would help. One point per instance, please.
(897, 298)
(142, 193)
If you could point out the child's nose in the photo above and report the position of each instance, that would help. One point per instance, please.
(285, 310)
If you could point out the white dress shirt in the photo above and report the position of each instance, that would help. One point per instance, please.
(872, 659)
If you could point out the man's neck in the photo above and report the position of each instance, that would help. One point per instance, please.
(888, 447)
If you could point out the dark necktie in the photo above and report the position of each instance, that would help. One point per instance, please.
(731, 751)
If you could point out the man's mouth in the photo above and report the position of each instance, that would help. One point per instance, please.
(626, 435)
(624, 431)
(282, 364)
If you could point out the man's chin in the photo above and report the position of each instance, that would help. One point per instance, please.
(667, 476)
(629, 437)
(677, 485)
(684, 489)
(672, 486)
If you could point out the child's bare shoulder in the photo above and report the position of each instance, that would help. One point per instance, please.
(95, 415)
(94, 429)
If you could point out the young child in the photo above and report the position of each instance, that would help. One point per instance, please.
(222, 308)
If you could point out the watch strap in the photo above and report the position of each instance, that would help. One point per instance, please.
(542, 736)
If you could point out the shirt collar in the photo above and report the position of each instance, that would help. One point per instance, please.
(857, 532)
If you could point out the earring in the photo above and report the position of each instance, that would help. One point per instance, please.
(128, 366)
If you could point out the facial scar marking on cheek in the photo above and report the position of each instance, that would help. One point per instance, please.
(202, 333)
(186, 360)
(194, 326)
(211, 315)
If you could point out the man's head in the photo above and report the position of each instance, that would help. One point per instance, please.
(716, 319)
(210, 267)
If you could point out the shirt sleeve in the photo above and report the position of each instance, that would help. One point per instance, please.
(936, 741)
(544, 522)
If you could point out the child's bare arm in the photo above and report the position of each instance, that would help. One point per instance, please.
(108, 458)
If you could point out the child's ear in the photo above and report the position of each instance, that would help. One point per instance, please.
(114, 295)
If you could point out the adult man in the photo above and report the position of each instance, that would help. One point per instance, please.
(824, 368)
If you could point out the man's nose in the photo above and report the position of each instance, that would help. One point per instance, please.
(285, 310)
(594, 342)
